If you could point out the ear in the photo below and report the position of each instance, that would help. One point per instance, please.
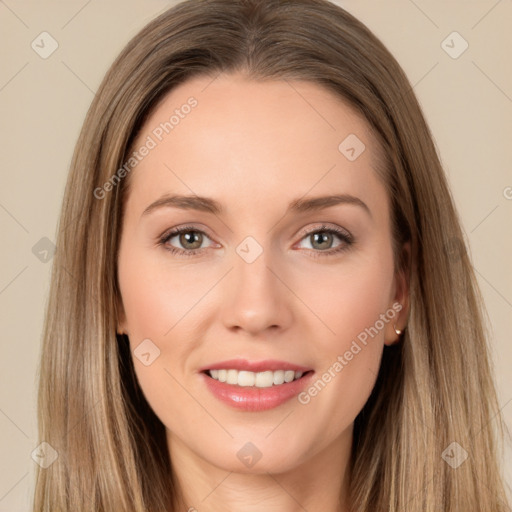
(400, 303)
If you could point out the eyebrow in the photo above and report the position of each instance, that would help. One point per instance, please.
(301, 205)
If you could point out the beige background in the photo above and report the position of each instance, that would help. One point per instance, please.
(467, 101)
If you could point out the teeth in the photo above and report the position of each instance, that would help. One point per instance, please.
(251, 379)
(232, 377)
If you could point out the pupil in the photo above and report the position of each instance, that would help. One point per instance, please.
(192, 238)
(323, 240)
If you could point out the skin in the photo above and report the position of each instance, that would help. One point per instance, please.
(254, 148)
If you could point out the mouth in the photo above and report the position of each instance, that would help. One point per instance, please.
(255, 386)
(264, 379)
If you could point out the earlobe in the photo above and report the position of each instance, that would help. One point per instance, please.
(395, 328)
(393, 333)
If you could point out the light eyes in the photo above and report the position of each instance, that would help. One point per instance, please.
(189, 240)
(323, 241)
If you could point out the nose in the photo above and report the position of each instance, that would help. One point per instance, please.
(256, 300)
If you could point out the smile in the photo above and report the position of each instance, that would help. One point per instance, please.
(255, 386)
(264, 379)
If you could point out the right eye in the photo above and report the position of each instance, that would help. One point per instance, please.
(185, 240)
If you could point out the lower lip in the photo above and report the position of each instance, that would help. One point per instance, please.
(253, 398)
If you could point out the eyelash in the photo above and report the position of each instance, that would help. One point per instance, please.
(346, 239)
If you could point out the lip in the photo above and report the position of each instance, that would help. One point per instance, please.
(253, 399)
(255, 366)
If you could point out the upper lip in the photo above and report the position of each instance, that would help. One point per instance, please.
(255, 366)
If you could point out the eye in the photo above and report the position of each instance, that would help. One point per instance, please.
(323, 241)
(328, 240)
(186, 240)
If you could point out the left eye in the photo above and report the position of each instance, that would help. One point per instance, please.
(322, 240)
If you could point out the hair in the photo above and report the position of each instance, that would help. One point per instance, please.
(433, 389)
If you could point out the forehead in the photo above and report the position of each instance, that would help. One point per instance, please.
(231, 136)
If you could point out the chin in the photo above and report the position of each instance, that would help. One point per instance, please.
(256, 455)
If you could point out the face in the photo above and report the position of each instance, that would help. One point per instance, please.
(256, 249)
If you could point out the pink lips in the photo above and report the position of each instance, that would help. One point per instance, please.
(252, 398)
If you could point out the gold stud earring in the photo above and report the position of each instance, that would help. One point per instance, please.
(398, 331)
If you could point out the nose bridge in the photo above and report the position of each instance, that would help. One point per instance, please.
(257, 299)
(252, 273)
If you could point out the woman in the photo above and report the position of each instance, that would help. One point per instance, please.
(261, 298)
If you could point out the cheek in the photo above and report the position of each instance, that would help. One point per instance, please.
(351, 299)
(157, 297)
(167, 304)
(158, 304)
(355, 305)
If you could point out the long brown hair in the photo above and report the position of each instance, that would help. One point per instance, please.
(434, 389)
